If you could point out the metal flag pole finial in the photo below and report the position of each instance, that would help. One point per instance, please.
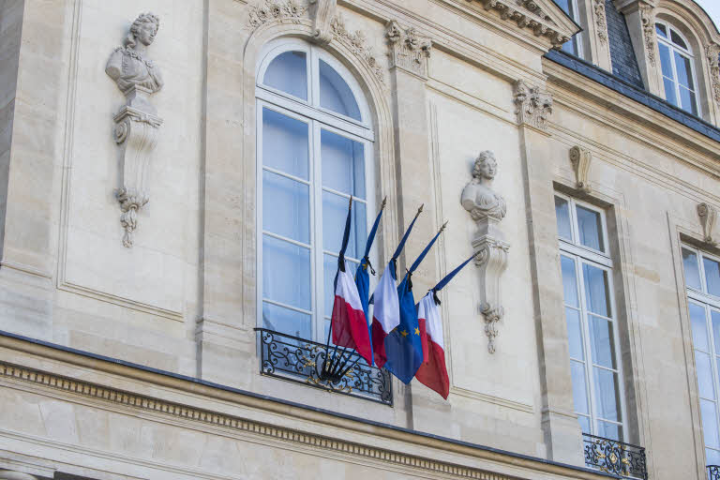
(384, 202)
(443, 226)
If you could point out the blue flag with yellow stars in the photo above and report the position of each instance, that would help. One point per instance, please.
(403, 346)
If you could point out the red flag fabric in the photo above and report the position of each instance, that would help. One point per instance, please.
(349, 326)
(433, 372)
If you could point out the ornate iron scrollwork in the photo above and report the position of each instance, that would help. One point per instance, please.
(618, 458)
(305, 361)
(713, 472)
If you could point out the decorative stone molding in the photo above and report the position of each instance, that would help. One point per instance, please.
(408, 50)
(533, 106)
(647, 17)
(355, 41)
(10, 475)
(601, 20)
(322, 13)
(487, 208)
(267, 10)
(712, 52)
(528, 14)
(580, 159)
(708, 218)
(137, 122)
(294, 438)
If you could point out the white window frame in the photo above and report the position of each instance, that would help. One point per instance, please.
(318, 119)
(685, 52)
(576, 39)
(708, 303)
(581, 254)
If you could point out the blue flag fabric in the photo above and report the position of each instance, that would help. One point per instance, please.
(403, 346)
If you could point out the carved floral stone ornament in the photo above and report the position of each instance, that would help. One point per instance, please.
(601, 20)
(487, 208)
(580, 159)
(708, 219)
(268, 10)
(408, 49)
(137, 122)
(647, 17)
(712, 52)
(528, 14)
(533, 106)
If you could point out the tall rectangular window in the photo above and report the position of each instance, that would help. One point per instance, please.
(591, 320)
(702, 281)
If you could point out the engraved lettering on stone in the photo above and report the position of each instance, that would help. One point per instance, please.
(580, 159)
(408, 49)
(708, 218)
(533, 106)
(601, 20)
(647, 17)
(137, 122)
(488, 208)
(322, 13)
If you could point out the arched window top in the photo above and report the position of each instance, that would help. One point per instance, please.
(669, 34)
(305, 73)
(678, 68)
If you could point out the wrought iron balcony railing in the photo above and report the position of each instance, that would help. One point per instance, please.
(329, 368)
(617, 458)
(713, 472)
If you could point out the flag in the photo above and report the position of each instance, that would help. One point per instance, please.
(433, 372)
(403, 346)
(362, 278)
(348, 324)
(386, 315)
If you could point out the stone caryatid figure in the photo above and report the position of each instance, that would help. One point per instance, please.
(137, 122)
(487, 208)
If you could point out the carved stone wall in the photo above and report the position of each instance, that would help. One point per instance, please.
(408, 49)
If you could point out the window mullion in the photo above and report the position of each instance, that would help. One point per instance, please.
(318, 286)
(585, 328)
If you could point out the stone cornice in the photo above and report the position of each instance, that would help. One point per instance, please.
(93, 367)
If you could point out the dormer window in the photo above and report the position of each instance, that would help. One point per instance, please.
(677, 63)
(574, 45)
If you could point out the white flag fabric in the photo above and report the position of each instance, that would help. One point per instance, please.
(386, 314)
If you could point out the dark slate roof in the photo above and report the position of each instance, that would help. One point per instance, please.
(624, 61)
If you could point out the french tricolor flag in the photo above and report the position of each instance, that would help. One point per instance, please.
(349, 326)
(386, 314)
(433, 372)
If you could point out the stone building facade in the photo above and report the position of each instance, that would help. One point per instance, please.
(171, 182)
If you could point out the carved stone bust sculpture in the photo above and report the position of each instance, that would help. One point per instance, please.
(478, 197)
(128, 65)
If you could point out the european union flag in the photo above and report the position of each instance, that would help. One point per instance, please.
(403, 346)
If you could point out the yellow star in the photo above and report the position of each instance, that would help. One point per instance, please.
(417, 331)
(404, 333)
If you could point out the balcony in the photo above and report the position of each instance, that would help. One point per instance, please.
(713, 472)
(614, 457)
(305, 361)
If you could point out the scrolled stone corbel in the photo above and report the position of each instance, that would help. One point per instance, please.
(488, 208)
(708, 219)
(533, 106)
(322, 13)
(137, 122)
(580, 159)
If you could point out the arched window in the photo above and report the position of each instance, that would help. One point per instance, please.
(678, 68)
(314, 150)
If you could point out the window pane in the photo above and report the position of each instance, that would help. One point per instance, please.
(288, 73)
(286, 273)
(677, 40)
(712, 457)
(699, 326)
(590, 228)
(596, 290)
(692, 272)
(660, 29)
(343, 164)
(562, 212)
(585, 424)
(601, 339)
(285, 144)
(687, 100)
(569, 280)
(705, 376)
(709, 421)
(570, 47)
(286, 207)
(574, 333)
(607, 392)
(682, 63)
(712, 275)
(287, 321)
(335, 94)
(610, 430)
(670, 95)
(335, 210)
(715, 317)
(665, 62)
(577, 371)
